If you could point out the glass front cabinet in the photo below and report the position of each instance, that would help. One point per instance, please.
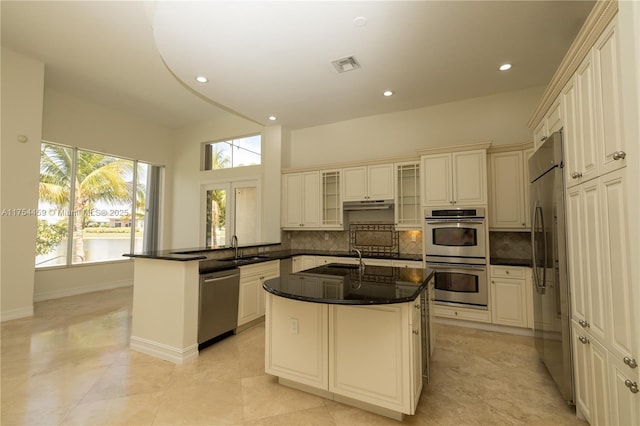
(407, 209)
(331, 199)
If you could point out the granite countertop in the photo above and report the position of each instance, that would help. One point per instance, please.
(343, 284)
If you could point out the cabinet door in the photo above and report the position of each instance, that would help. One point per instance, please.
(571, 133)
(355, 184)
(587, 166)
(623, 319)
(582, 370)
(575, 246)
(300, 263)
(292, 200)
(311, 199)
(437, 188)
(624, 395)
(554, 117)
(408, 214)
(380, 182)
(509, 302)
(507, 190)
(248, 306)
(470, 177)
(331, 199)
(600, 414)
(611, 143)
(540, 133)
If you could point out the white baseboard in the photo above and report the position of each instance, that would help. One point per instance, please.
(162, 351)
(17, 313)
(57, 294)
(487, 327)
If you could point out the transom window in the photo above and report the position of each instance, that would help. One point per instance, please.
(231, 153)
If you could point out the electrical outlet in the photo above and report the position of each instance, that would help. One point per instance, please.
(326, 236)
(413, 237)
(293, 322)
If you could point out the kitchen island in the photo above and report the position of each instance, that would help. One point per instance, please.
(357, 336)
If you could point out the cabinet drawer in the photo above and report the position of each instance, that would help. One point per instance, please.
(265, 268)
(508, 272)
(462, 313)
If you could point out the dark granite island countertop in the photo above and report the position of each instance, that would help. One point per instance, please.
(338, 283)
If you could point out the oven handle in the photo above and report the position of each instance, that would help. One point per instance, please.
(435, 222)
(450, 266)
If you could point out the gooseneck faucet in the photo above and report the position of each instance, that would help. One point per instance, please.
(360, 262)
(234, 243)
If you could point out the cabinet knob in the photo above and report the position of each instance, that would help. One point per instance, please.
(576, 175)
(416, 332)
(631, 362)
(633, 386)
(584, 324)
(542, 139)
(583, 340)
(619, 155)
(417, 306)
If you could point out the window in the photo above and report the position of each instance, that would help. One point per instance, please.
(110, 209)
(230, 208)
(240, 152)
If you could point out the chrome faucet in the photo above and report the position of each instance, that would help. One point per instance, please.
(360, 262)
(234, 243)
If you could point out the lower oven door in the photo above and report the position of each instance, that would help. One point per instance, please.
(461, 285)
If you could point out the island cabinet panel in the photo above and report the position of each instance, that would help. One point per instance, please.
(370, 351)
(297, 341)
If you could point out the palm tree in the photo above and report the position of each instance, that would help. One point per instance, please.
(98, 178)
(216, 199)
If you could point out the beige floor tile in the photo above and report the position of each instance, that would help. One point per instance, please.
(136, 410)
(312, 417)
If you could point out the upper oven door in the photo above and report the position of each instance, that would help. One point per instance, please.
(455, 237)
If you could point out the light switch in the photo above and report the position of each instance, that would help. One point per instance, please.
(293, 322)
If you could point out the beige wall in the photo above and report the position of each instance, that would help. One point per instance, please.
(501, 118)
(22, 94)
(188, 178)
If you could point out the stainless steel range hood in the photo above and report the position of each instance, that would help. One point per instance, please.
(367, 205)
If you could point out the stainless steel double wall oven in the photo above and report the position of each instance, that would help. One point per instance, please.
(455, 247)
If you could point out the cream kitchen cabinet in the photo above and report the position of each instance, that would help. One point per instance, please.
(374, 182)
(408, 211)
(552, 122)
(458, 178)
(594, 143)
(301, 200)
(511, 300)
(331, 199)
(326, 347)
(251, 301)
(624, 395)
(509, 190)
(300, 263)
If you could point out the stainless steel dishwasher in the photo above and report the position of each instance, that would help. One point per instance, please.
(218, 305)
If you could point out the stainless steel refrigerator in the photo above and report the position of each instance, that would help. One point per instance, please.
(552, 313)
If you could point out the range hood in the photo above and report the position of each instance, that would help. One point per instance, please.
(367, 205)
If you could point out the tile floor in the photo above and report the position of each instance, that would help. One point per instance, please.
(70, 365)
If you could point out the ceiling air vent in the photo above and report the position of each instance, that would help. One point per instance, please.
(346, 64)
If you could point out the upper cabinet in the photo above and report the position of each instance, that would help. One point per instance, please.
(301, 200)
(552, 122)
(509, 189)
(375, 182)
(408, 213)
(594, 143)
(458, 178)
(331, 199)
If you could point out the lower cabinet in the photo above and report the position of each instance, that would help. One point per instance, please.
(300, 263)
(251, 296)
(367, 353)
(511, 299)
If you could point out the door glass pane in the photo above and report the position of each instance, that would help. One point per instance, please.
(455, 237)
(246, 213)
(102, 207)
(216, 213)
(141, 204)
(56, 164)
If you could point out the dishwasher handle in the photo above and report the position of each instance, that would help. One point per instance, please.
(219, 276)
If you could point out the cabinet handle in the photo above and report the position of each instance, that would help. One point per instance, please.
(576, 175)
(619, 155)
(416, 332)
(417, 306)
(583, 339)
(584, 324)
(631, 362)
(542, 139)
(633, 386)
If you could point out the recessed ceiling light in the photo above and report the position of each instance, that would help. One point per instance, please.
(387, 93)
(360, 21)
(504, 67)
(202, 79)
(273, 118)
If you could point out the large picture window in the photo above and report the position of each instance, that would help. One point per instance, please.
(93, 207)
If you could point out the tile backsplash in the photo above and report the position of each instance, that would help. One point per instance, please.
(339, 241)
(510, 245)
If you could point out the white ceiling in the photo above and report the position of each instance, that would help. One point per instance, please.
(273, 57)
